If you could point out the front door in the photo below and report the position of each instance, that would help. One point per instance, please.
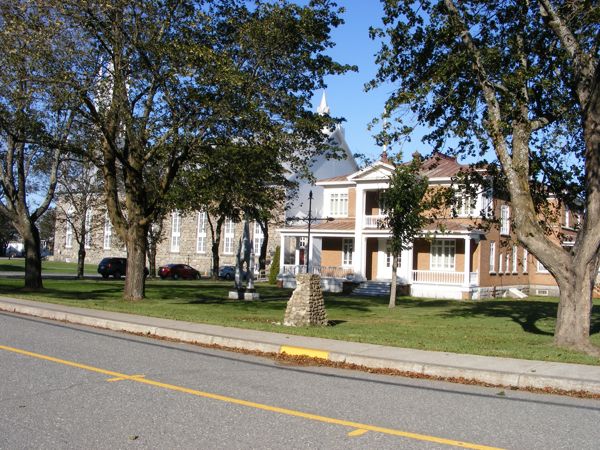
(384, 263)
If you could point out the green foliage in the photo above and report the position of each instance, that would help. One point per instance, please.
(403, 202)
(274, 270)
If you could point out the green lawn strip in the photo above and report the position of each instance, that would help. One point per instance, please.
(18, 265)
(501, 327)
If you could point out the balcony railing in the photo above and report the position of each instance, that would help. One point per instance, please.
(435, 277)
(374, 221)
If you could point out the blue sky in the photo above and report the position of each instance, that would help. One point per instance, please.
(345, 93)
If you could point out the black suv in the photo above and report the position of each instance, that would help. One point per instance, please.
(112, 266)
(117, 267)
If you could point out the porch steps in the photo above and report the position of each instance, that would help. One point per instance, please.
(373, 289)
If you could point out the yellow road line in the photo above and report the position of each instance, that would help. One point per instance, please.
(290, 412)
(130, 377)
(357, 433)
(300, 351)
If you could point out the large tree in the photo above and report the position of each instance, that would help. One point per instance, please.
(521, 78)
(35, 120)
(168, 79)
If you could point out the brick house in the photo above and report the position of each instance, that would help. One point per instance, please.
(464, 261)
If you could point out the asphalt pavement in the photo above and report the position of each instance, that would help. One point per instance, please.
(506, 372)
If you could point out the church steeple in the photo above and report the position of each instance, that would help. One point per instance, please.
(323, 108)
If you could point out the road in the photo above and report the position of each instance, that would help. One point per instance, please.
(66, 386)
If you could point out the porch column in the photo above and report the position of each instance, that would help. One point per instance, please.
(358, 261)
(467, 280)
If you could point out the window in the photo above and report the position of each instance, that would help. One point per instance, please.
(347, 250)
(507, 262)
(515, 268)
(566, 217)
(228, 237)
(442, 254)
(88, 228)
(525, 255)
(338, 204)
(465, 204)
(107, 232)
(259, 238)
(541, 268)
(69, 233)
(504, 219)
(500, 262)
(492, 257)
(488, 202)
(201, 233)
(175, 231)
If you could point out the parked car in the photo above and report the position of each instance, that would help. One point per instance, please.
(12, 252)
(228, 273)
(116, 267)
(177, 271)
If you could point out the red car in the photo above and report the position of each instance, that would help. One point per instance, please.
(177, 271)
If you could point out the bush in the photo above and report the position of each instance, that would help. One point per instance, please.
(274, 269)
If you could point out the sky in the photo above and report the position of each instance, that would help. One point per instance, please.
(345, 93)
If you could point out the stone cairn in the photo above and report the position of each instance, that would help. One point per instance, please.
(306, 306)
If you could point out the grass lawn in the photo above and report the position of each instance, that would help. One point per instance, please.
(501, 327)
(18, 265)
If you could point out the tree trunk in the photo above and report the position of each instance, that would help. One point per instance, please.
(394, 281)
(33, 260)
(574, 312)
(136, 263)
(81, 252)
(216, 241)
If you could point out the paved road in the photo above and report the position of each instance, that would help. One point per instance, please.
(64, 386)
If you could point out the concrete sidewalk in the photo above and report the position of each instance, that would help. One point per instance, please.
(497, 371)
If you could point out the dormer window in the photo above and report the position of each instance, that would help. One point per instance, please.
(338, 204)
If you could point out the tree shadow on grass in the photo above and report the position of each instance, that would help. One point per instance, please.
(525, 313)
(11, 268)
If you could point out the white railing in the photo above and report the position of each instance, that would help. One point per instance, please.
(434, 277)
(374, 221)
(324, 271)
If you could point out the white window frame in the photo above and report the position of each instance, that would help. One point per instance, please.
(507, 268)
(175, 231)
(88, 227)
(443, 255)
(505, 220)
(258, 238)
(107, 241)
(347, 251)
(466, 204)
(492, 257)
(201, 232)
(525, 256)
(338, 203)
(515, 260)
(540, 267)
(228, 237)
(500, 262)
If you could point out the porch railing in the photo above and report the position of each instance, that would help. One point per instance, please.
(435, 277)
(374, 221)
(324, 271)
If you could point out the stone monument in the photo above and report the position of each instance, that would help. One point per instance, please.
(306, 306)
(244, 264)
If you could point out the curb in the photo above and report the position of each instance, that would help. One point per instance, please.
(519, 380)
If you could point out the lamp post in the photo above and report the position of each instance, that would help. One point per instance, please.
(310, 219)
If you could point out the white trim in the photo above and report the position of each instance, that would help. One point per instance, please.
(525, 257)
(228, 237)
(505, 220)
(492, 260)
(107, 241)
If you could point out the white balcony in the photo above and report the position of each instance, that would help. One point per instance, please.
(374, 221)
